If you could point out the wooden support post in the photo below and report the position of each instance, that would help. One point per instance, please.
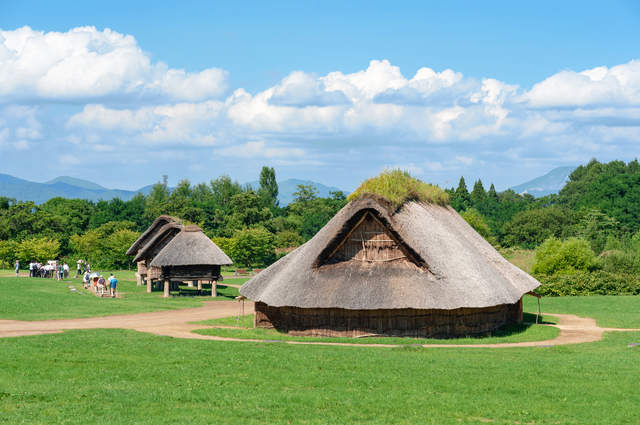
(190, 283)
(214, 288)
(199, 286)
(167, 286)
(149, 287)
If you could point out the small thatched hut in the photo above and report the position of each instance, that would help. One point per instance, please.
(153, 247)
(414, 268)
(144, 274)
(191, 256)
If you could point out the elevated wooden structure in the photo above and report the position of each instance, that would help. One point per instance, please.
(190, 256)
(144, 273)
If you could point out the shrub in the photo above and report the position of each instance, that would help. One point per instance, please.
(564, 257)
(479, 224)
(619, 261)
(595, 283)
(532, 227)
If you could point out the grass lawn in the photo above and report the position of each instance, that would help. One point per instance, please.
(609, 311)
(511, 333)
(120, 376)
(27, 298)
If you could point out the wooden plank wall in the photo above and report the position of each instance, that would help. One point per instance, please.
(397, 322)
(369, 241)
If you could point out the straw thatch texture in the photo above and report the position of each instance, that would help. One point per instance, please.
(191, 247)
(444, 264)
(408, 322)
(150, 232)
(158, 241)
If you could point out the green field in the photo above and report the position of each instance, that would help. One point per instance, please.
(119, 376)
(114, 376)
(43, 299)
(609, 311)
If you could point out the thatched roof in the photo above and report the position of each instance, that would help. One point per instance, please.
(150, 232)
(191, 247)
(435, 261)
(168, 231)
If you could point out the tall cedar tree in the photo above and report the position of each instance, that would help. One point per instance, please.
(492, 194)
(268, 186)
(478, 194)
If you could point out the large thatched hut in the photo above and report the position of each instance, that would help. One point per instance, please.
(190, 256)
(144, 273)
(152, 248)
(409, 268)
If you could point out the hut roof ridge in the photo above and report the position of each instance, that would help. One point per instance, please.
(150, 232)
(191, 247)
(452, 266)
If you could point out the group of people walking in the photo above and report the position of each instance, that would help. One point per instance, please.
(100, 284)
(61, 271)
(37, 269)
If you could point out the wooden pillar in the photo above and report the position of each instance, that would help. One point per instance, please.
(167, 284)
(190, 283)
(199, 286)
(214, 288)
(149, 287)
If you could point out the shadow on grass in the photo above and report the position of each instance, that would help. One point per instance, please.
(224, 293)
(542, 319)
(522, 332)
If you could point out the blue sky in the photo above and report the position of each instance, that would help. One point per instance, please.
(332, 92)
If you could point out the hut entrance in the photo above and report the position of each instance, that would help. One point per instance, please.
(369, 241)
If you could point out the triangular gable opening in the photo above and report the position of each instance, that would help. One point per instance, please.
(369, 241)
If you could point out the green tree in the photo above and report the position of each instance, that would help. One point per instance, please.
(223, 189)
(253, 246)
(305, 193)
(246, 210)
(492, 195)
(87, 244)
(116, 245)
(8, 251)
(157, 201)
(478, 194)
(462, 198)
(530, 228)
(227, 245)
(596, 227)
(479, 224)
(288, 239)
(268, 186)
(38, 249)
(557, 257)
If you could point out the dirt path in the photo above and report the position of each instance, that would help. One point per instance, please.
(175, 323)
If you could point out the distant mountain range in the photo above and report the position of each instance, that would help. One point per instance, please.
(70, 188)
(64, 187)
(545, 185)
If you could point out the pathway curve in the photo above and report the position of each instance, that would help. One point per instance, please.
(175, 323)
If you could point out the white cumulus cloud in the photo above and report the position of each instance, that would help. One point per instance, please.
(86, 63)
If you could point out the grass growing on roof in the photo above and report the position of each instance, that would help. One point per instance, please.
(398, 187)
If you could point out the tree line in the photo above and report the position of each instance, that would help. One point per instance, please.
(599, 205)
(590, 228)
(247, 223)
